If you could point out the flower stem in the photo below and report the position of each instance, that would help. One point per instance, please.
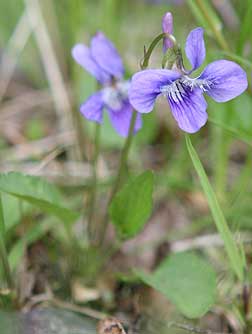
(93, 190)
(218, 35)
(120, 173)
(235, 257)
(3, 252)
(147, 53)
(124, 156)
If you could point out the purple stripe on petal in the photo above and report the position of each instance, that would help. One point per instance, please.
(120, 119)
(145, 87)
(195, 48)
(82, 55)
(190, 112)
(92, 108)
(226, 80)
(106, 55)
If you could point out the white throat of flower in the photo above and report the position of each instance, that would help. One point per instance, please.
(177, 89)
(115, 95)
(203, 84)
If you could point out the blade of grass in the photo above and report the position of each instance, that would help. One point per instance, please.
(245, 28)
(232, 250)
(3, 252)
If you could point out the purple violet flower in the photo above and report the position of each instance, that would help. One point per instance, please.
(222, 80)
(102, 61)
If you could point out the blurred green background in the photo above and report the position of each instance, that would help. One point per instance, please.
(33, 108)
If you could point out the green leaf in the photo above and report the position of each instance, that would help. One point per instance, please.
(132, 206)
(38, 192)
(187, 281)
(11, 210)
(12, 214)
(232, 250)
(34, 233)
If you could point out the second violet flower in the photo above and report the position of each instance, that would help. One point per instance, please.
(102, 61)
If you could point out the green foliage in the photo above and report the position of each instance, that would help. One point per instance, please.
(184, 278)
(38, 192)
(132, 206)
(187, 281)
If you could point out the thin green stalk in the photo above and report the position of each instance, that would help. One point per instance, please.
(120, 174)
(124, 156)
(93, 190)
(3, 252)
(232, 250)
(217, 33)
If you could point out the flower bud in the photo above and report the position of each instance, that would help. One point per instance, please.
(167, 27)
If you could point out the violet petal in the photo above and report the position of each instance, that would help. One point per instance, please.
(145, 87)
(195, 48)
(190, 112)
(92, 108)
(227, 80)
(82, 55)
(105, 54)
(120, 119)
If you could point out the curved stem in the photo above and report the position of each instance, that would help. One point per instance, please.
(148, 53)
(93, 191)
